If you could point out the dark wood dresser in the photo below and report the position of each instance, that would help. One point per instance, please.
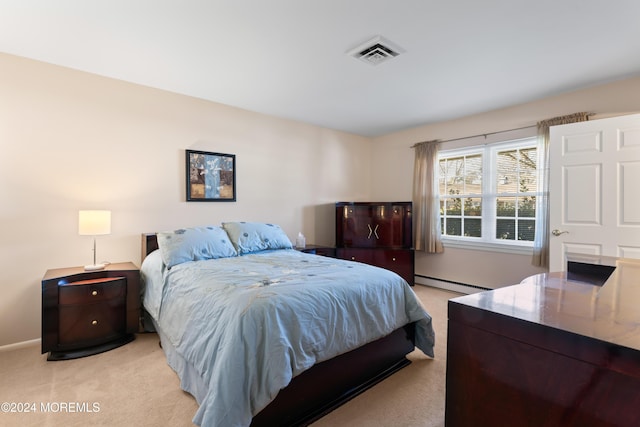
(88, 312)
(551, 351)
(379, 234)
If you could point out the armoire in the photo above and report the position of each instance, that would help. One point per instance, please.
(377, 233)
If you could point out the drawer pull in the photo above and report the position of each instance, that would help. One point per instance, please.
(94, 293)
(393, 259)
(353, 258)
(94, 322)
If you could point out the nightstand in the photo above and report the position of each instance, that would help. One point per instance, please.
(89, 312)
(319, 250)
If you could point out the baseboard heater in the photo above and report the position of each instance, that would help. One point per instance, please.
(449, 285)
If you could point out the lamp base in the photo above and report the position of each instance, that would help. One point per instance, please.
(94, 267)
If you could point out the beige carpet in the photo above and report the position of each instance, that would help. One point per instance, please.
(133, 385)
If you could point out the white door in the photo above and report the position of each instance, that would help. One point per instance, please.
(594, 189)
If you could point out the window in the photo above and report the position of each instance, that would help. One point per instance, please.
(488, 193)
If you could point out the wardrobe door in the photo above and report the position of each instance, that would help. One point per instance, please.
(398, 226)
(356, 228)
(392, 225)
(407, 225)
(381, 234)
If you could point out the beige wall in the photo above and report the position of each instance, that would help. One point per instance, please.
(392, 172)
(71, 140)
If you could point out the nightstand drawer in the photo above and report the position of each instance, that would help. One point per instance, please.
(90, 324)
(92, 291)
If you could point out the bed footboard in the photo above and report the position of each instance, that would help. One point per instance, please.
(330, 384)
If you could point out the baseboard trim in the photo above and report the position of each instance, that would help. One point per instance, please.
(20, 345)
(448, 285)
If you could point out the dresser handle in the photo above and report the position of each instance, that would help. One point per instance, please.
(94, 293)
(353, 258)
(393, 259)
(94, 322)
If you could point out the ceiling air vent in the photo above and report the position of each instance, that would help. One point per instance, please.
(376, 51)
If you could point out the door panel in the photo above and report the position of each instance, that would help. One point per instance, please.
(593, 189)
(356, 227)
(582, 207)
(582, 248)
(629, 178)
(388, 225)
(629, 252)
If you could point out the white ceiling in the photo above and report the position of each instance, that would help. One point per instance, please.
(288, 58)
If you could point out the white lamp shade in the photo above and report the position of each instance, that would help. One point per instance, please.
(94, 223)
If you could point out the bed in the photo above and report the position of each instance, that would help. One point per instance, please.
(262, 334)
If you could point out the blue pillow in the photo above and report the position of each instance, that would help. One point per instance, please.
(194, 244)
(250, 237)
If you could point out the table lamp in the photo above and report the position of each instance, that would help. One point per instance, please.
(94, 223)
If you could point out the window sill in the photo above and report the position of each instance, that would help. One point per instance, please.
(485, 246)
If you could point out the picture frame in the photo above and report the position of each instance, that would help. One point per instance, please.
(211, 177)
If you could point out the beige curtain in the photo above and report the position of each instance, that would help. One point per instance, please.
(541, 243)
(426, 201)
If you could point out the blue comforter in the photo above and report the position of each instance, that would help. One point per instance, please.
(249, 324)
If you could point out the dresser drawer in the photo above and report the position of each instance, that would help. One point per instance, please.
(91, 324)
(393, 258)
(92, 291)
(400, 261)
(366, 256)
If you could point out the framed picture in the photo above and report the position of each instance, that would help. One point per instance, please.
(211, 177)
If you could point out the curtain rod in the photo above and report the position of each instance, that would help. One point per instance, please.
(492, 133)
(481, 134)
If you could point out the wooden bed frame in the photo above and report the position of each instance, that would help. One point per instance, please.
(331, 383)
